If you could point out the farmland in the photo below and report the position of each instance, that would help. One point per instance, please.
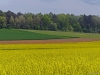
(12, 34)
(78, 58)
(72, 34)
(37, 52)
(19, 34)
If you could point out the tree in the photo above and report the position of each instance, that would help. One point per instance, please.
(22, 22)
(63, 22)
(11, 22)
(37, 21)
(46, 22)
(9, 14)
(52, 26)
(19, 14)
(17, 23)
(2, 13)
(2, 22)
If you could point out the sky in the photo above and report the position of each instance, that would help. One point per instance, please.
(76, 7)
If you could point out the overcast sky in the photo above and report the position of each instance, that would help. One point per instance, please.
(76, 7)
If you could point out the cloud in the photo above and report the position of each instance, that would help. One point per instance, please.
(92, 2)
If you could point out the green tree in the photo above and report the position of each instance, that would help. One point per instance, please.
(37, 21)
(2, 22)
(17, 25)
(12, 22)
(2, 13)
(46, 22)
(63, 22)
(22, 21)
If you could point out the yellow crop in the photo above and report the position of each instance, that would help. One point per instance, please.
(81, 58)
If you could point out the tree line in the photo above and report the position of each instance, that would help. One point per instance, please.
(50, 21)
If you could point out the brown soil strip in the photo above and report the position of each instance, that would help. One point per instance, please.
(48, 41)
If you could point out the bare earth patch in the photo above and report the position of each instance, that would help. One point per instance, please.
(48, 41)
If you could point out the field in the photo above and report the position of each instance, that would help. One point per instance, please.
(32, 52)
(77, 58)
(72, 34)
(12, 34)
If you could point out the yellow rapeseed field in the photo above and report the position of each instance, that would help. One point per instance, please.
(80, 58)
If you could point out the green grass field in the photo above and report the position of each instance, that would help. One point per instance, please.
(12, 34)
(73, 34)
(20, 34)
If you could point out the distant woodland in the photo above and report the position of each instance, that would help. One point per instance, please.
(50, 21)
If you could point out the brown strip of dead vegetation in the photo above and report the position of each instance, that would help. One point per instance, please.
(48, 41)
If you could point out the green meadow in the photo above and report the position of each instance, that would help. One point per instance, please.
(20, 34)
(12, 34)
(71, 34)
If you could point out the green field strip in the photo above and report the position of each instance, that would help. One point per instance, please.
(12, 34)
(73, 34)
